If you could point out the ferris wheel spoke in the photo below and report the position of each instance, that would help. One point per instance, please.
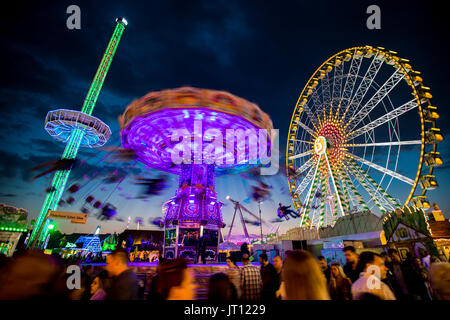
(334, 183)
(353, 189)
(304, 184)
(363, 87)
(309, 176)
(305, 166)
(347, 199)
(306, 104)
(326, 93)
(301, 155)
(384, 144)
(330, 203)
(342, 188)
(314, 119)
(337, 85)
(382, 169)
(378, 188)
(304, 211)
(373, 195)
(316, 101)
(352, 193)
(383, 119)
(303, 141)
(306, 128)
(315, 204)
(383, 201)
(326, 96)
(381, 93)
(338, 189)
(350, 82)
(322, 203)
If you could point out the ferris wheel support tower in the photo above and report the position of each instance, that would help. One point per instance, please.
(76, 128)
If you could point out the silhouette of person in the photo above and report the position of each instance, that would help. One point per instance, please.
(285, 212)
(201, 248)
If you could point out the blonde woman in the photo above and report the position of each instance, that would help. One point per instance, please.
(302, 278)
(339, 286)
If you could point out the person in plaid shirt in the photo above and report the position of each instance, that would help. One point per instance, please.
(250, 280)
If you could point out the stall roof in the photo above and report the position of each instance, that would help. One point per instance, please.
(440, 229)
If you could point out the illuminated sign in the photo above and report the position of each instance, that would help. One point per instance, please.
(339, 244)
(79, 218)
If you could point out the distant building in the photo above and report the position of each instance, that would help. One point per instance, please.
(363, 223)
(144, 239)
(83, 242)
(360, 229)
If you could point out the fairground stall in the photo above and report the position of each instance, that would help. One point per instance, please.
(13, 225)
(440, 231)
(143, 245)
(407, 230)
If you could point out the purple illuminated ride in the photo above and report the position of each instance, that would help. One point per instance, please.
(147, 126)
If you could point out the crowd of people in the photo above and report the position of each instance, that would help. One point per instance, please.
(82, 258)
(299, 276)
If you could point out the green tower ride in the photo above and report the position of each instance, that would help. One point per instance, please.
(76, 129)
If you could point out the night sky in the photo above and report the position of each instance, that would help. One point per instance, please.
(263, 51)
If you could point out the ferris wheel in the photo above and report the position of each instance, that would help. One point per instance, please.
(360, 138)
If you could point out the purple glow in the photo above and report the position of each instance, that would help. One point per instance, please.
(194, 182)
(205, 122)
(149, 136)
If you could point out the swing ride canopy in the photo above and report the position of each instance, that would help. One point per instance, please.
(202, 115)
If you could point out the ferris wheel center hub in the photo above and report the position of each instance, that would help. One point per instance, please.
(320, 145)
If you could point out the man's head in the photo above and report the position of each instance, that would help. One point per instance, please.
(263, 258)
(245, 259)
(322, 263)
(372, 263)
(231, 262)
(278, 263)
(116, 262)
(393, 254)
(175, 280)
(350, 255)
